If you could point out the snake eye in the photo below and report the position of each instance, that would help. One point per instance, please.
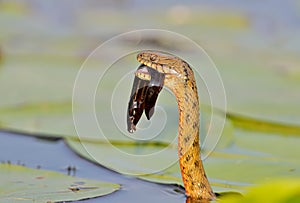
(152, 57)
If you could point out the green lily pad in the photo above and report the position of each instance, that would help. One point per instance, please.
(35, 118)
(277, 190)
(22, 184)
(265, 126)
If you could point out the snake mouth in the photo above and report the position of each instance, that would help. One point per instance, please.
(143, 72)
(148, 65)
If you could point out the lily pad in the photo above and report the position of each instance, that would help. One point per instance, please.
(278, 190)
(22, 184)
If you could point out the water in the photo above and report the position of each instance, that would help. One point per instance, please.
(56, 156)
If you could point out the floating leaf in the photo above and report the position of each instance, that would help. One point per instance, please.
(277, 190)
(258, 125)
(38, 119)
(23, 184)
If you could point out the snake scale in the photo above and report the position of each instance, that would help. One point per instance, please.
(178, 76)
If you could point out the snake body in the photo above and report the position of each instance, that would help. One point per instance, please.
(179, 78)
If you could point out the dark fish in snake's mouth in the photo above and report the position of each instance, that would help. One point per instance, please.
(143, 96)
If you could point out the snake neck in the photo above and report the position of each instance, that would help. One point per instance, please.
(192, 170)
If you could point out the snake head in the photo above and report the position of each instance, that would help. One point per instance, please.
(143, 97)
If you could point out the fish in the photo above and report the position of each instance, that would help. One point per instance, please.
(143, 97)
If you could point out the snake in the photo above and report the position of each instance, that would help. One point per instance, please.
(159, 69)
